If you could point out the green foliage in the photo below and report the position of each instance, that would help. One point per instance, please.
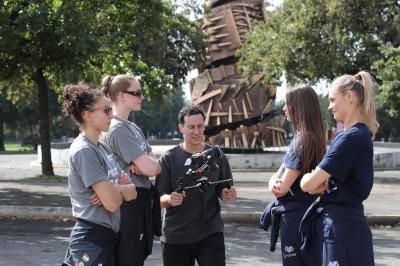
(312, 40)
(389, 125)
(388, 71)
(327, 116)
(148, 39)
(83, 40)
(159, 117)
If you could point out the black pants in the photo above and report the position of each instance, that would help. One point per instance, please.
(208, 252)
(131, 249)
(91, 244)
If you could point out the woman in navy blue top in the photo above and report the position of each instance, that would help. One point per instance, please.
(305, 151)
(345, 175)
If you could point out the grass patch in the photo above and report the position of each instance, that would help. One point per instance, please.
(17, 148)
(48, 177)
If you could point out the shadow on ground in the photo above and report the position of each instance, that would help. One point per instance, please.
(13, 196)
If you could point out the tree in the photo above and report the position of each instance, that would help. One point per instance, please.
(388, 71)
(147, 39)
(160, 116)
(41, 39)
(312, 40)
(327, 116)
(45, 44)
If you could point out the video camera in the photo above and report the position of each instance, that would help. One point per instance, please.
(203, 162)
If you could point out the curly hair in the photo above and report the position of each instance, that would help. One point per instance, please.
(78, 98)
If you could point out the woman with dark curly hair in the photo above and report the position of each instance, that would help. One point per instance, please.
(97, 187)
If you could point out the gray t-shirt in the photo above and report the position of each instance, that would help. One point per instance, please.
(199, 216)
(88, 164)
(128, 142)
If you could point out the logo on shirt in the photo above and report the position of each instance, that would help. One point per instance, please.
(288, 252)
(112, 173)
(85, 257)
(188, 161)
(333, 263)
(110, 157)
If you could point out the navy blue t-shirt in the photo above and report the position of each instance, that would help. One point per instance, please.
(349, 161)
(293, 160)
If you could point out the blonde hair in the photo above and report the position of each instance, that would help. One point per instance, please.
(363, 85)
(111, 85)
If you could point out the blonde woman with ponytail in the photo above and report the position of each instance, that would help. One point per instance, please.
(140, 218)
(344, 177)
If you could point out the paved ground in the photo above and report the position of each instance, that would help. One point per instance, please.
(40, 242)
(33, 242)
(17, 190)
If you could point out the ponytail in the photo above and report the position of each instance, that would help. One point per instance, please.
(368, 104)
(106, 84)
(111, 85)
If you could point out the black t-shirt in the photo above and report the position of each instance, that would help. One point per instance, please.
(349, 161)
(199, 215)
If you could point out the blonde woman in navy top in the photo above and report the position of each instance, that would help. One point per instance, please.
(345, 175)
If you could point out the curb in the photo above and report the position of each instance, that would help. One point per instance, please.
(36, 211)
(254, 217)
(249, 218)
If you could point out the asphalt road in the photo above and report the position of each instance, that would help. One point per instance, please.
(40, 242)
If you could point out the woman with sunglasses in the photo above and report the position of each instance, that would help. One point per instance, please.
(140, 218)
(345, 176)
(93, 176)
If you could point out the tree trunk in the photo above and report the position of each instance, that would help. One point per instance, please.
(44, 122)
(2, 148)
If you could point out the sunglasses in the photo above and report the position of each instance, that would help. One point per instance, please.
(135, 93)
(107, 111)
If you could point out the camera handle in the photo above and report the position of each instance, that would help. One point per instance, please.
(202, 183)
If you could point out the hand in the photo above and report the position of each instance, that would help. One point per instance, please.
(134, 169)
(124, 179)
(320, 189)
(130, 192)
(176, 198)
(228, 194)
(276, 189)
(272, 182)
(95, 200)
